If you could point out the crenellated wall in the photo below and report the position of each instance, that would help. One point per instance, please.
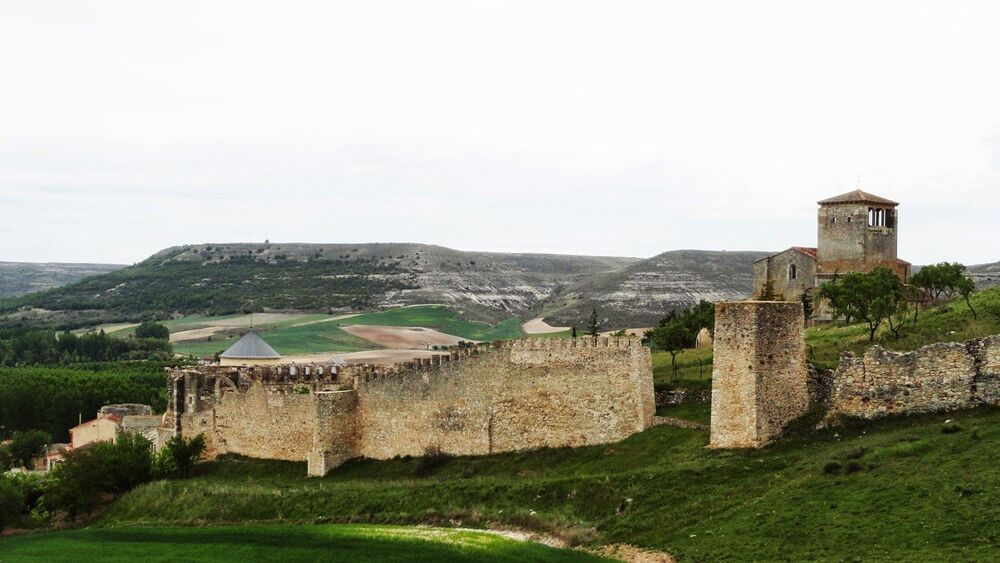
(495, 397)
(939, 377)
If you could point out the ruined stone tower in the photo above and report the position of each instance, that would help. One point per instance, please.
(759, 376)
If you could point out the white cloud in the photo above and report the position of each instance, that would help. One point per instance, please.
(623, 128)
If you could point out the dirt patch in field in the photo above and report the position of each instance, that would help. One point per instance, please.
(403, 337)
(195, 334)
(381, 357)
(539, 326)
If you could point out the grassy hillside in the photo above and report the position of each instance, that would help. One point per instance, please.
(345, 543)
(899, 489)
(221, 279)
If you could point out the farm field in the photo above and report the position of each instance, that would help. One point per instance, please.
(279, 543)
(294, 334)
(441, 318)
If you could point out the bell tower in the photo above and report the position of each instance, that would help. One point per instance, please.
(857, 233)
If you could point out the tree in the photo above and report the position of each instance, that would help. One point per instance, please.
(593, 325)
(185, 453)
(673, 336)
(871, 297)
(25, 446)
(11, 502)
(132, 461)
(767, 293)
(807, 303)
(80, 480)
(152, 329)
(966, 287)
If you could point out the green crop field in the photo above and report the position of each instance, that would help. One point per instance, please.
(278, 543)
(440, 318)
(295, 334)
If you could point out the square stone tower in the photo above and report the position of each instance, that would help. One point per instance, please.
(759, 378)
(857, 233)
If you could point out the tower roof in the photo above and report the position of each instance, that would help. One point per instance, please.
(250, 346)
(858, 196)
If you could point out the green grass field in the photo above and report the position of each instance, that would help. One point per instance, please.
(897, 489)
(296, 334)
(440, 318)
(316, 337)
(278, 543)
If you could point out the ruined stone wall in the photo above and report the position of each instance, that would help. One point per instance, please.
(526, 394)
(939, 377)
(491, 398)
(759, 376)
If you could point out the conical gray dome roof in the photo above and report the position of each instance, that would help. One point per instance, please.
(250, 346)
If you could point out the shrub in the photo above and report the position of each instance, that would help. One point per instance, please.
(950, 428)
(832, 467)
(433, 458)
(11, 503)
(185, 453)
(152, 329)
(853, 466)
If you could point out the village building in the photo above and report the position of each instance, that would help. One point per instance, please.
(102, 429)
(857, 232)
(250, 350)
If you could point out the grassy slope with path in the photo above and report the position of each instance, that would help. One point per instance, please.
(278, 543)
(915, 493)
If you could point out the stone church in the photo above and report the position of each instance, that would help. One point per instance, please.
(857, 233)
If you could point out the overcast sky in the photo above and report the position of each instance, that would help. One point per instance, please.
(618, 128)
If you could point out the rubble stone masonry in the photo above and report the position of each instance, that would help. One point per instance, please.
(503, 396)
(939, 377)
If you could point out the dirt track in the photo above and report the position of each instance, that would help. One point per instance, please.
(539, 326)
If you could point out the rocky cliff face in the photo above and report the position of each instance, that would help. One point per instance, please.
(20, 278)
(642, 293)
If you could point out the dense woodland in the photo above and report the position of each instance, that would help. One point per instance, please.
(53, 399)
(43, 347)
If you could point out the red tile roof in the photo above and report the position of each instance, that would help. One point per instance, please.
(808, 251)
(858, 196)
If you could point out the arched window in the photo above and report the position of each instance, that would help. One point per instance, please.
(793, 271)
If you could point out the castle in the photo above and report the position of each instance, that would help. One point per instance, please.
(497, 397)
(857, 233)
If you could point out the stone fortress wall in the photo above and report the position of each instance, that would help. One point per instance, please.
(497, 397)
(939, 377)
(761, 381)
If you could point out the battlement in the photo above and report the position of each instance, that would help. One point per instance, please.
(310, 374)
(491, 397)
